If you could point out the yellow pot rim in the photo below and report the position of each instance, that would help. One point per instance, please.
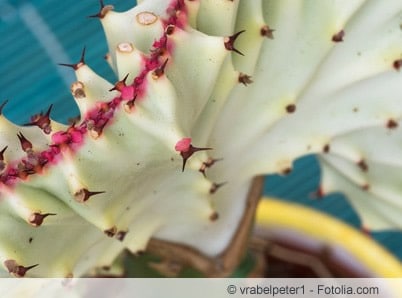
(273, 213)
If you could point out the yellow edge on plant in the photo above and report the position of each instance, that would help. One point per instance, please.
(303, 220)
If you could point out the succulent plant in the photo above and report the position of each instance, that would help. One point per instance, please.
(209, 95)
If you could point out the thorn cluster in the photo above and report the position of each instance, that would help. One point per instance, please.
(42, 121)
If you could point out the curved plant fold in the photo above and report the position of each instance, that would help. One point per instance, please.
(209, 95)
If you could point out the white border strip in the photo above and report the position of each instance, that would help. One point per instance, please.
(201, 288)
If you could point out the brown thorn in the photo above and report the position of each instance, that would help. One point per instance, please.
(130, 104)
(207, 164)
(391, 124)
(49, 110)
(36, 218)
(2, 153)
(244, 79)
(215, 187)
(80, 63)
(291, 108)
(110, 232)
(338, 37)
(184, 162)
(397, 65)
(363, 165)
(2, 106)
(121, 235)
(326, 148)
(125, 78)
(82, 59)
(267, 32)
(42, 121)
(120, 84)
(230, 40)
(158, 72)
(187, 154)
(84, 194)
(202, 170)
(214, 216)
(73, 66)
(2, 162)
(25, 144)
(21, 270)
(17, 270)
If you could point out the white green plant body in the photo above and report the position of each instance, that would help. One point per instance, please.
(211, 93)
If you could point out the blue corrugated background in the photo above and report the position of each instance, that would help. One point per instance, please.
(36, 35)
